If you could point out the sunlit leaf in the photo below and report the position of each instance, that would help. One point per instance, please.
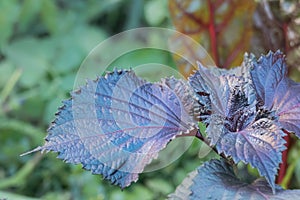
(216, 180)
(260, 144)
(116, 125)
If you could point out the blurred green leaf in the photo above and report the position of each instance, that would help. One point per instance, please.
(50, 16)
(10, 84)
(29, 11)
(68, 57)
(156, 11)
(57, 196)
(9, 13)
(67, 82)
(140, 192)
(19, 178)
(151, 64)
(6, 70)
(32, 108)
(8, 195)
(52, 107)
(89, 37)
(29, 55)
(159, 185)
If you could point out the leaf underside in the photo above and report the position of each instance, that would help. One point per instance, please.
(216, 180)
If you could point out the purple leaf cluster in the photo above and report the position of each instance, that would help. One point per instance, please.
(117, 124)
(247, 110)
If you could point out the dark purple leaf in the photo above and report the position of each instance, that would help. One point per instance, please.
(217, 180)
(276, 92)
(234, 125)
(209, 83)
(287, 105)
(116, 125)
(259, 144)
(266, 74)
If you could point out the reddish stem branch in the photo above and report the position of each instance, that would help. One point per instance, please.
(191, 16)
(213, 33)
(284, 165)
(286, 39)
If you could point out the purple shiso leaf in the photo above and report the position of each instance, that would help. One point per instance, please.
(260, 144)
(234, 125)
(266, 74)
(116, 125)
(216, 180)
(276, 92)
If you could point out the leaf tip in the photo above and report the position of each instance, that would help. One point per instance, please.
(39, 148)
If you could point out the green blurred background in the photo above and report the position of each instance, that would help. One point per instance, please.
(42, 45)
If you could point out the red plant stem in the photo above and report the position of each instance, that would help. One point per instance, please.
(191, 16)
(286, 39)
(213, 33)
(284, 165)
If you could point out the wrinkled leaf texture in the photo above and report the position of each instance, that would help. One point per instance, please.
(247, 108)
(216, 179)
(276, 92)
(116, 125)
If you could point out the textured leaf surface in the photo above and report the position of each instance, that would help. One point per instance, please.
(208, 83)
(222, 91)
(276, 91)
(234, 124)
(259, 144)
(216, 180)
(267, 73)
(116, 125)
